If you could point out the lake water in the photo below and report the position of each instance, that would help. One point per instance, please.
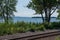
(30, 19)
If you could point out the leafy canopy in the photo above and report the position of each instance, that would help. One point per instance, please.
(40, 5)
(7, 7)
(44, 6)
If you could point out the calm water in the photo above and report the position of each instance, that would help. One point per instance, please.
(35, 20)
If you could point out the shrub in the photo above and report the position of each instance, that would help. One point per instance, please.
(22, 27)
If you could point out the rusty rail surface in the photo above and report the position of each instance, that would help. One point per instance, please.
(32, 35)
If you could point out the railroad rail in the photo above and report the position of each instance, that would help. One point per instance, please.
(41, 35)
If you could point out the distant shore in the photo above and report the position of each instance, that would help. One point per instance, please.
(41, 17)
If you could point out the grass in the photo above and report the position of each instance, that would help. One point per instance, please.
(19, 27)
(22, 27)
(58, 38)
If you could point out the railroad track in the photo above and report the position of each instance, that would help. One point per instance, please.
(45, 35)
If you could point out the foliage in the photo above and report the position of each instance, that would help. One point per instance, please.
(53, 25)
(58, 38)
(7, 7)
(19, 27)
(58, 14)
(22, 27)
(44, 6)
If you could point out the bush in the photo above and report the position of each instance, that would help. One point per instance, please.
(22, 27)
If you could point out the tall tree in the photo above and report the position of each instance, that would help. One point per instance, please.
(7, 8)
(48, 7)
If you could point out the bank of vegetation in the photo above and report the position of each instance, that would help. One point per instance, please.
(22, 27)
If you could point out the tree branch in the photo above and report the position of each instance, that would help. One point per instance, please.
(53, 11)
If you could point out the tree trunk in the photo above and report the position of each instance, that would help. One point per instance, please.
(46, 16)
(3, 15)
(49, 15)
(7, 18)
(42, 17)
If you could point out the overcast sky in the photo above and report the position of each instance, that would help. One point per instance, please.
(23, 11)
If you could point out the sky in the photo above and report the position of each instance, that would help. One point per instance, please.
(23, 11)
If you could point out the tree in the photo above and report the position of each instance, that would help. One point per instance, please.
(58, 14)
(7, 7)
(48, 7)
